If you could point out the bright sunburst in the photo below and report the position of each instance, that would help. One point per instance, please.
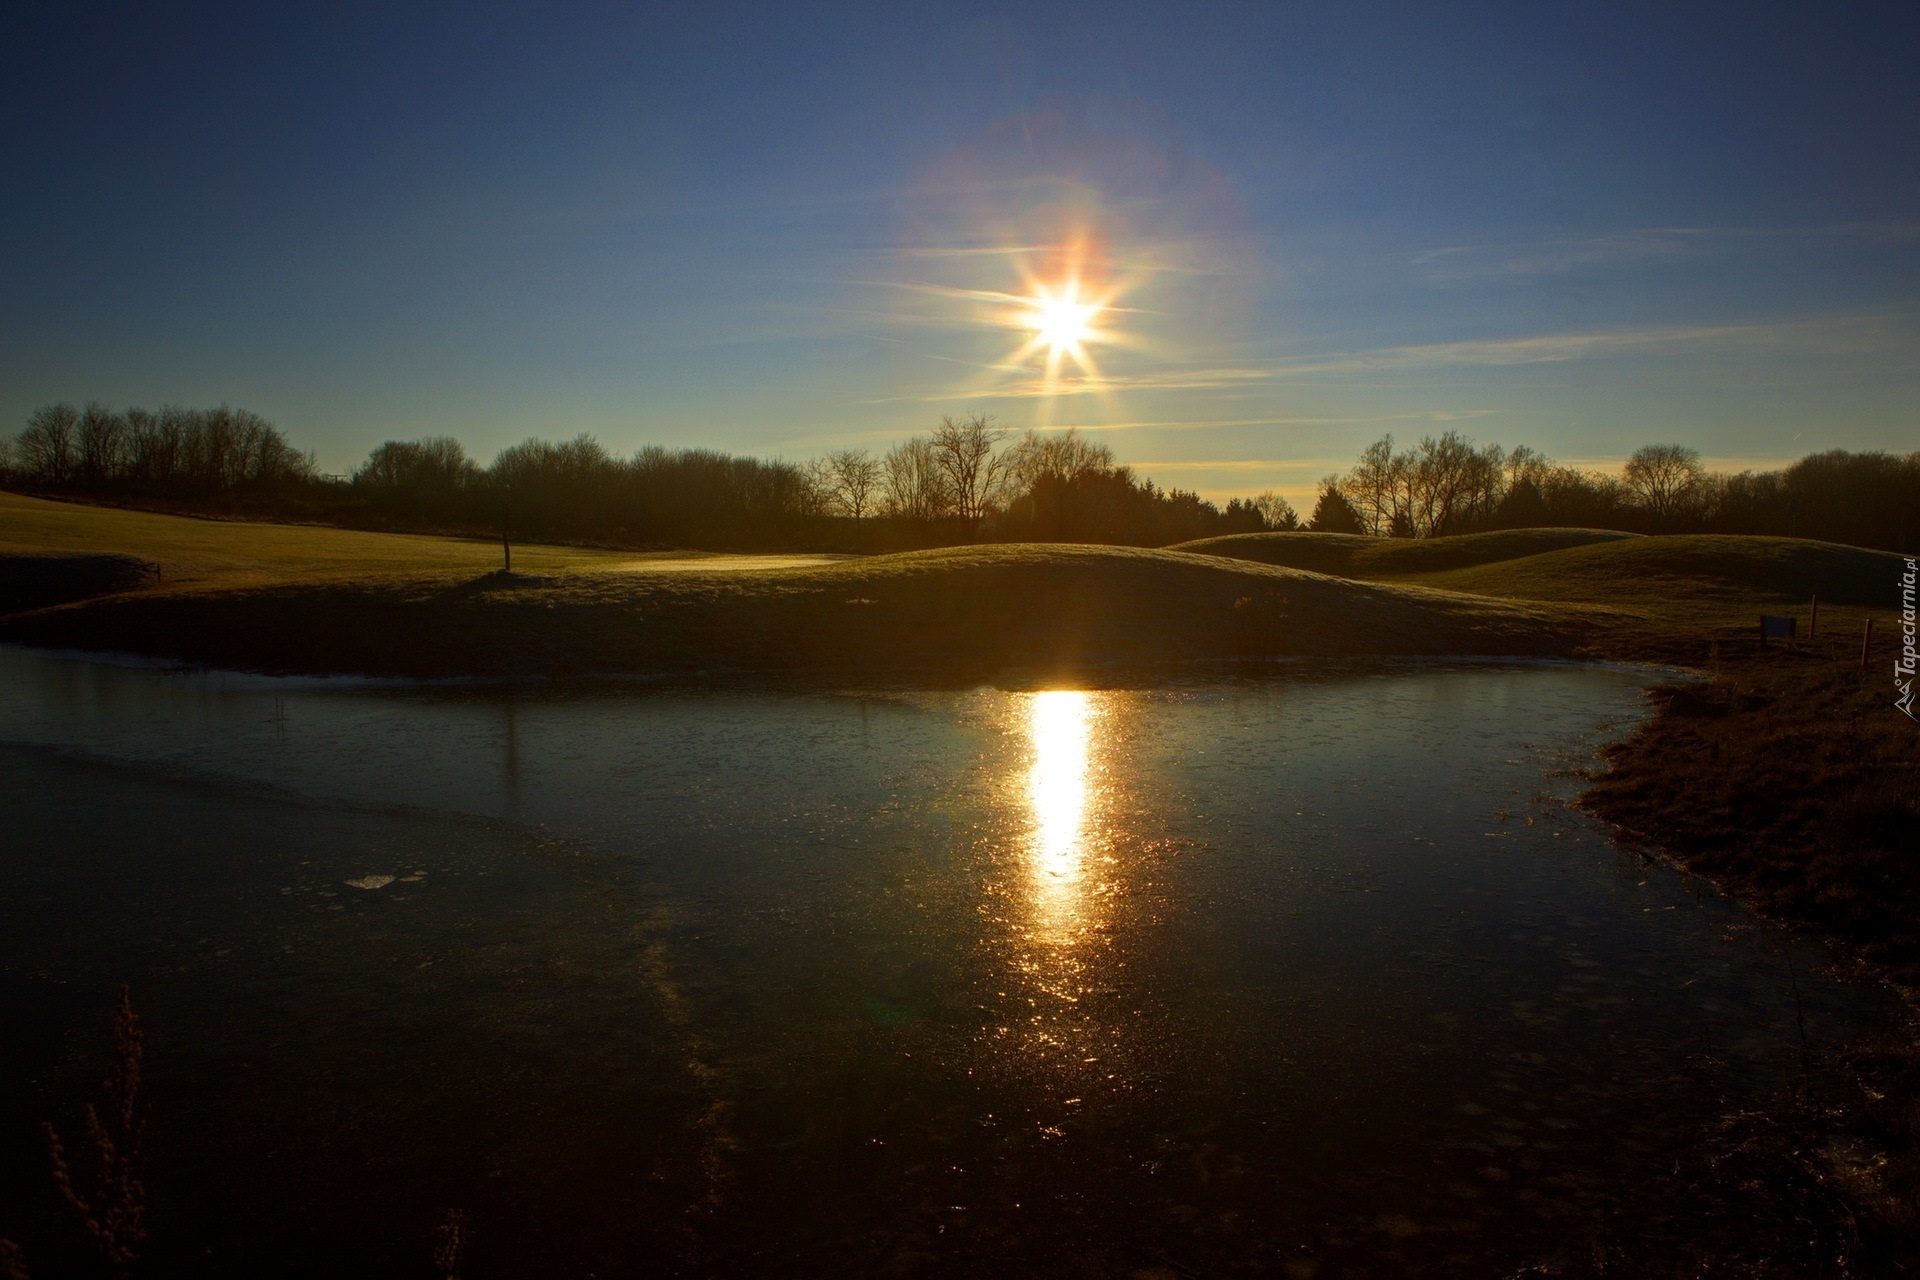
(1062, 322)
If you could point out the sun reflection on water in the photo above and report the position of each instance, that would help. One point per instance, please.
(1060, 725)
(1066, 855)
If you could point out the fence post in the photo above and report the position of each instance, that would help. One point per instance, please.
(1866, 643)
(1813, 623)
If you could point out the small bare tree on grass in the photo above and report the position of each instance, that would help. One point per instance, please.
(113, 1214)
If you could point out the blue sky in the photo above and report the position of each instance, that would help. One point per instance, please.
(783, 229)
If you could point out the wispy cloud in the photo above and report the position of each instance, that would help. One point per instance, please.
(998, 297)
(1557, 256)
(1205, 424)
(1044, 388)
(973, 251)
(1827, 335)
(1564, 255)
(1830, 335)
(1244, 464)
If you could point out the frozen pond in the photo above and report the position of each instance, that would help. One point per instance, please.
(1304, 974)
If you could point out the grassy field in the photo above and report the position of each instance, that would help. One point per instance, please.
(1665, 598)
(296, 598)
(1353, 556)
(192, 553)
(1055, 612)
(282, 598)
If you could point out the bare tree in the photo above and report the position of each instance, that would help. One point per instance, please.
(46, 447)
(1277, 512)
(913, 483)
(964, 450)
(1527, 464)
(1453, 485)
(854, 475)
(818, 495)
(1373, 487)
(1064, 456)
(100, 439)
(1667, 481)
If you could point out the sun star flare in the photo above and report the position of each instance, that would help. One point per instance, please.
(1062, 322)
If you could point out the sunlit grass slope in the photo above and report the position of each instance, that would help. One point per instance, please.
(1352, 556)
(319, 599)
(1660, 589)
(1689, 572)
(189, 552)
(968, 612)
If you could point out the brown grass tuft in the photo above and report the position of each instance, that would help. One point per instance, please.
(113, 1213)
(450, 1251)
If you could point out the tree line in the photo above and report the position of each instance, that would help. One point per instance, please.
(1450, 484)
(966, 480)
(185, 452)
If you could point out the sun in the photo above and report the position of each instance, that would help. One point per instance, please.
(1061, 322)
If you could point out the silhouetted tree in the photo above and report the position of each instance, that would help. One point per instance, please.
(1277, 513)
(855, 478)
(1376, 488)
(966, 452)
(45, 448)
(1333, 513)
(913, 483)
(1668, 482)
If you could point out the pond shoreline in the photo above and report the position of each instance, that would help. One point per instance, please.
(1785, 777)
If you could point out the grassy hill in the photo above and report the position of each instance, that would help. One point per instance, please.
(1685, 572)
(182, 551)
(295, 598)
(1670, 594)
(964, 612)
(1351, 555)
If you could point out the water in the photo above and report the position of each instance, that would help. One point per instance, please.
(1308, 974)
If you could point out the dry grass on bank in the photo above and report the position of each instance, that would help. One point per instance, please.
(1789, 778)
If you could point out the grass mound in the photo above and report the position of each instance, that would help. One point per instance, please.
(965, 612)
(1354, 556)
(296, 598)
(1692, 571)
(1315, 552)
(188, 552)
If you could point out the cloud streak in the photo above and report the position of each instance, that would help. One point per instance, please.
(1564, 255)
(1834, 335)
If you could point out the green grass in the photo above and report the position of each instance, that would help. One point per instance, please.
(424, 606)
(1665, 596)
(1682, 574)
(192, 553)
(282, 597)
(1352, 556)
